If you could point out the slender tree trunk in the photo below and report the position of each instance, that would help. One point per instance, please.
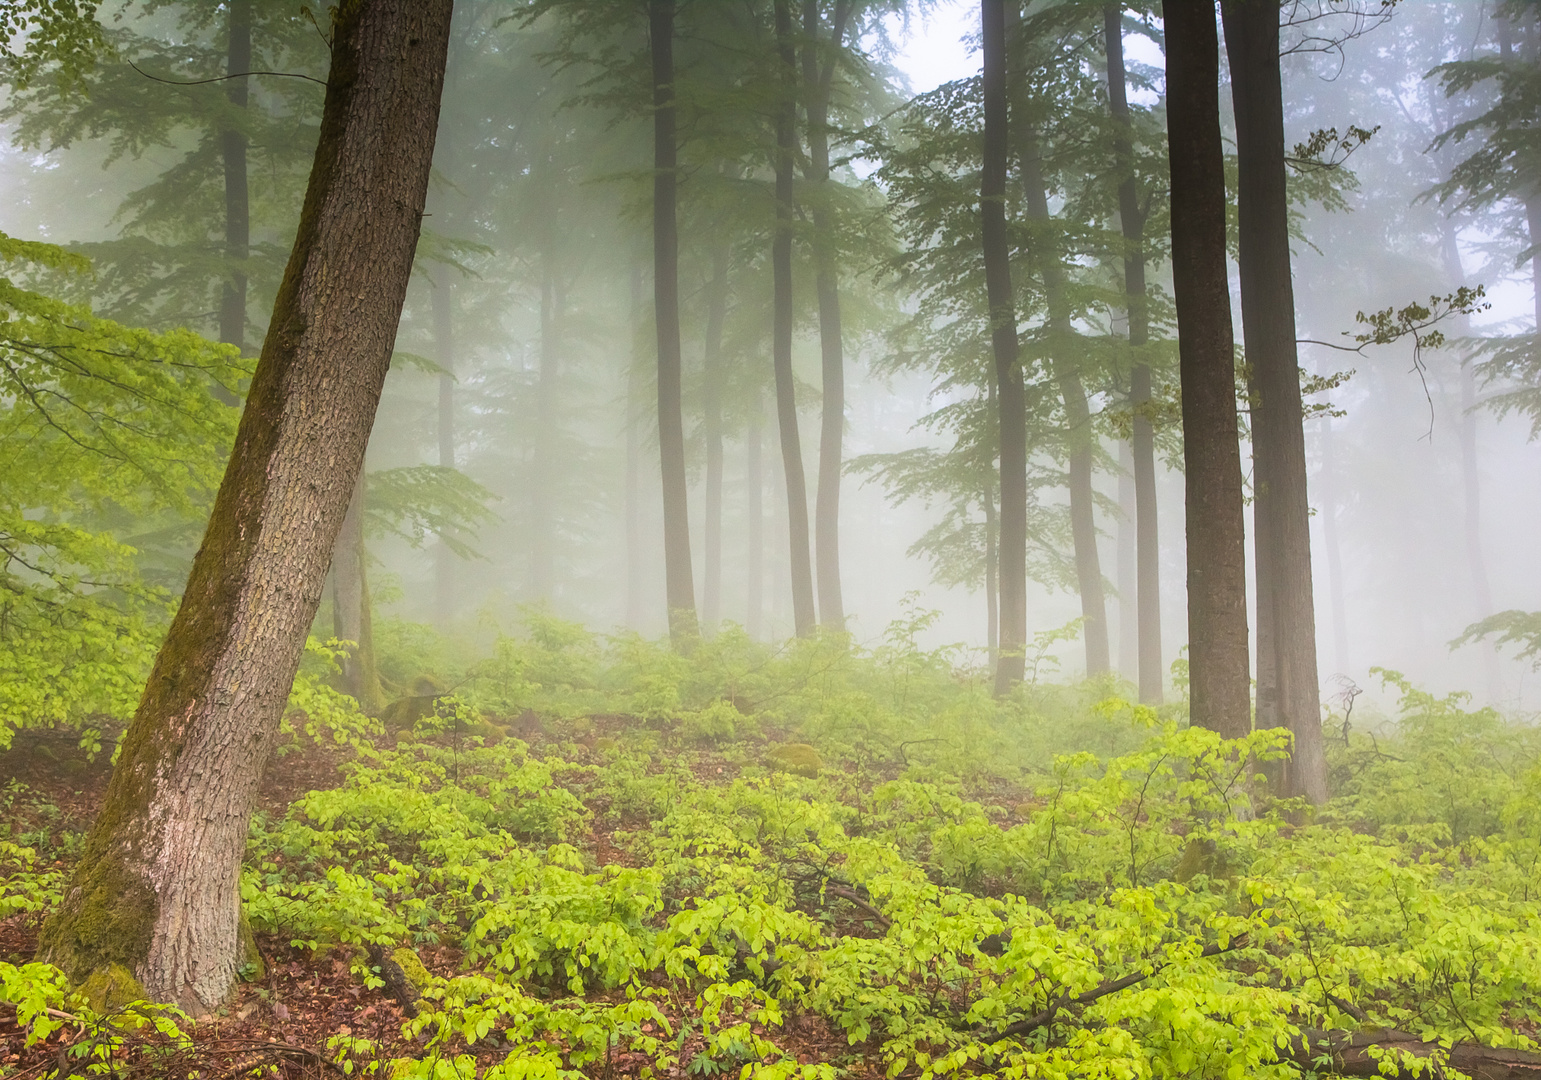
(716, 314)
(444, 346)
(803, 617)
(1128, 597)
(1331, 509)
(1079, 436)
(232, 144)
(1143, 441)
(1282, 536)
(992, 573)
(817, 77)
(1218, 683)
(754, 513)
(157, 888)
(636, 564)
(352, 618)
(678, 573)
(543, 475)
(1010, 394)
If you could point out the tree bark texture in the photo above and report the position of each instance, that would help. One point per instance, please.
(1143, 438)
(444, 347)
(1350, 1054)
(1080, 439)
(1010, 395)
(1281, 506)
(542, 479)
(232, 144)
(711, 399)
(1218, 664)
(803, 618)
(818, 75)
(679, 581)
(156, 890)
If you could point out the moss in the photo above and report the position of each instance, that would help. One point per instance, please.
(800, 759)
(252, 967)
(110, 988)
(106, 920)
(412, 967)
(417, 704)
(1201, 858)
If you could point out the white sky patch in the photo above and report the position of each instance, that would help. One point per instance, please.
(935, 52)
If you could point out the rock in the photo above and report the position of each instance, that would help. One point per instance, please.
(800, 759)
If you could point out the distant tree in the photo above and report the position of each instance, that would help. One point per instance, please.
(156, 890)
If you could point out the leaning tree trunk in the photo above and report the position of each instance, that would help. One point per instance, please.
(232, 145)
(818, 75)
(156, 890)
(1143, 438)
(711, 400)
(1010, 395)
(444, 348)
(1282, 509)
(803, 618)
(679, 581)
(1218, 685)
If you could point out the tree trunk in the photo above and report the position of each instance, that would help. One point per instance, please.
(1282, 508)
(754, 490)
(444, 346)
(992, 572)
(1143, 441)
(636, 567)
(1218, 684)
(803, 618)
(1080, 439)
(679, 580)
(1378, 1053)
(716, 314)
(1128, 619)
(157, 886)
(352, 618)
(232, 144)
(1010, 395)
(543, 474)
(817, 77)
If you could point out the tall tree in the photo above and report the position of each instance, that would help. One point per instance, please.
(711, 401)
(680, 587)
(1131, 216)
(803, 617)
(1010, 395)
(1288, 691)
(232, 141)
(1218, 664)
(157, 886)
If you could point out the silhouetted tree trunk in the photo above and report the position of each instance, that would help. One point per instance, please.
(678, 574)
(1282, 509)
(803, 618)
(1128, 620)
(754, 514)
(232, 144)
(543, 474)
(1218, 664)
(716, 314)
(1080, 439)
(444, 346)
(818, 74)
(1143, 439)
(635, 563)
(157, 887)
(1010, 395)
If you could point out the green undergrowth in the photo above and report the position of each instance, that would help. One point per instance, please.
(664, 858)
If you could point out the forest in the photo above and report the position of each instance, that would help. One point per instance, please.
(774, 539)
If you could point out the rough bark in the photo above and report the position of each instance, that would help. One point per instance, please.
(1010, 396)
(1080, 439)
(679, 580)
(754, 512)
(543, 474)
(1350, 1054)
(157, 886)
(1282, 509)
(711, 399)
(803, 617)
(232, 145)
(444, 347)
(1143, 438)
(1218, 664)
(818, 74)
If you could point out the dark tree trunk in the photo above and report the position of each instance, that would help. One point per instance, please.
(679, 581)
(232, 144)
(444, 346)
(1128, 620)
(818, 74)
(1010, 396)
(803, 618)
(543, 474)
(716, 314)
(754, 513)
(352, 617)
(157, 888)
(1080, 439)
(636, 566)
(1143, 440)
(1218, 664)
(1282, 508)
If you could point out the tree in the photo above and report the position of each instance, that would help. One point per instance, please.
(1288, 693)
(1218, 684)
(157, 888)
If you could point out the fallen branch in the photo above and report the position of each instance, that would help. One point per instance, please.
(1345, 1053)
(855, 898)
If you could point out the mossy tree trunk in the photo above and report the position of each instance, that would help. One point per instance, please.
(157, 886)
